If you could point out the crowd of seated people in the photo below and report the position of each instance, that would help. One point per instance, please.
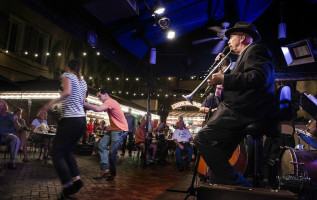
(157, 146)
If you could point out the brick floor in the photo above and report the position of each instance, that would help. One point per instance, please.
(38, 180)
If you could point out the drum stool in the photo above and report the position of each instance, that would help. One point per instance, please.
(256, 130)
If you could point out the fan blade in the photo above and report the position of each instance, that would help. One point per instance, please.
(204, 40)
(215, 28)
(219, 47)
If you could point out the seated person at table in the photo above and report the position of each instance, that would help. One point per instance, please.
(41, 118)
(22, 134)
(8, 122)
(140, 141)
(182, 137)
(161, 133)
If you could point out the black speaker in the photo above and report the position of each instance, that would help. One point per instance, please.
(83, 149)
(227, 192)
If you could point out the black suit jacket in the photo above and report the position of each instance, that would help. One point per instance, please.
(248, 90)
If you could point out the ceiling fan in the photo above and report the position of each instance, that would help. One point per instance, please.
(220, 31)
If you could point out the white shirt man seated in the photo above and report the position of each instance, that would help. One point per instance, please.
(182, 137)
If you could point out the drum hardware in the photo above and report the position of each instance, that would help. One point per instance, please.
(299, 146)
(297, 163)
(288, 181)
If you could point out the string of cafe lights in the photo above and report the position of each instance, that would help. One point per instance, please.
(49, 54)
(137, 79)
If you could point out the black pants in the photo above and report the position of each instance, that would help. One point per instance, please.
(69, 131)
(216, 145)
(124, 143)
(217, 141)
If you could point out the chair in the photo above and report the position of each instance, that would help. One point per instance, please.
(270, 128)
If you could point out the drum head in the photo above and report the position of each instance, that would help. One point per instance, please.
(286, 166)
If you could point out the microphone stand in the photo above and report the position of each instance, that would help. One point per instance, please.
(192, 190)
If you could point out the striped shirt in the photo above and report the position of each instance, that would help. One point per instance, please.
(73, 105)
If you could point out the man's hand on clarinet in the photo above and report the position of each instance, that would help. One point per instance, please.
(216, 78)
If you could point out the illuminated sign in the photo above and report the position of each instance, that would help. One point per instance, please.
(185, 103)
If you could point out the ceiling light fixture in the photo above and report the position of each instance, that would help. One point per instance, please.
(158, 7)
(282, 26)
(164, 22)
(170, 34)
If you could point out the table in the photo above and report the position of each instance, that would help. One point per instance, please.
(39, 137)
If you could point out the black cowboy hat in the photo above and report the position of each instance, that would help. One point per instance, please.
(244, 27)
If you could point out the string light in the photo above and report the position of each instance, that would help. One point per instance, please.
(108, 79)
(7, 51)
(36, 55)
(59, 54)
(98, 53)
(26, 53)
(117, 78)
(90, 77)
(137, 79)
(84, 53)
(47, 53)
(126, 79)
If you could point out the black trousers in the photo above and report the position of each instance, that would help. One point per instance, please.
(216, 143)
(69, 131)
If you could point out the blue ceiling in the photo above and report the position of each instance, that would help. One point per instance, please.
(185, 16)
(126, 37)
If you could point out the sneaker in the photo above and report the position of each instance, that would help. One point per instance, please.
(69, 190)
(78, 184)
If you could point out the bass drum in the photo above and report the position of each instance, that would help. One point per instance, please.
(301, 163)
(239, 160)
